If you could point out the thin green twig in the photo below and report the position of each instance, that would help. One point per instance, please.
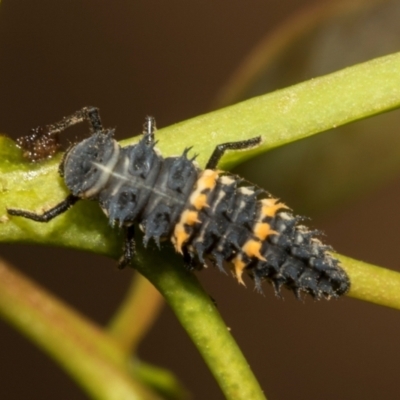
(372, 283)
(81, 347)
(143, 302)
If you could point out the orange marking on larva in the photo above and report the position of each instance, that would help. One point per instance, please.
(200, 201)
(262, 230)
(206, 182)
(209, 178)
(239, 265)
(270, 207)
(190, 217)
(180, 237)
(252, 249)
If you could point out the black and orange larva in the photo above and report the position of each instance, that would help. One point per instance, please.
(206, 214)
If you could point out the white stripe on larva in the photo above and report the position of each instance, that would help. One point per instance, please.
(226, 180)
(120, 182)
(221, 195)
(106, 172)
(246, 191)
(134, 181)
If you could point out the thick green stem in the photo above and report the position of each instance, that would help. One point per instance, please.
(161, 380)
(203, 323)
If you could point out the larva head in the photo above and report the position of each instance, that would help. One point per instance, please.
(86, 165)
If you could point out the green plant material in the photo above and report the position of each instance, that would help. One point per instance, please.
(203, 323)
(162, 381)
(90, 356)
(293, 113)
(280, 117)
(320, 39)
(144, 302)
(326, 170)
(371, 283)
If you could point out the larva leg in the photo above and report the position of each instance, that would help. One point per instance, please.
(129, 247)
(222, 148)
(47, 216)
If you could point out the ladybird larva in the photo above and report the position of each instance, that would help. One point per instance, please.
(207, 214)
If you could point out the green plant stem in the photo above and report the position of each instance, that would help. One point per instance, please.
(161, 380)
(91, 357)
(293, 113)
(144, 302)
(201, 320)
(371, 283)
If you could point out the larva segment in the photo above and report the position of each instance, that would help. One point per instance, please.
(270, 207)
(262, 230)
(188, 218)
(197, 201)
(252, 249)
(205, 183)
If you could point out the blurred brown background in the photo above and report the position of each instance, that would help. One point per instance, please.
(169, 59)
